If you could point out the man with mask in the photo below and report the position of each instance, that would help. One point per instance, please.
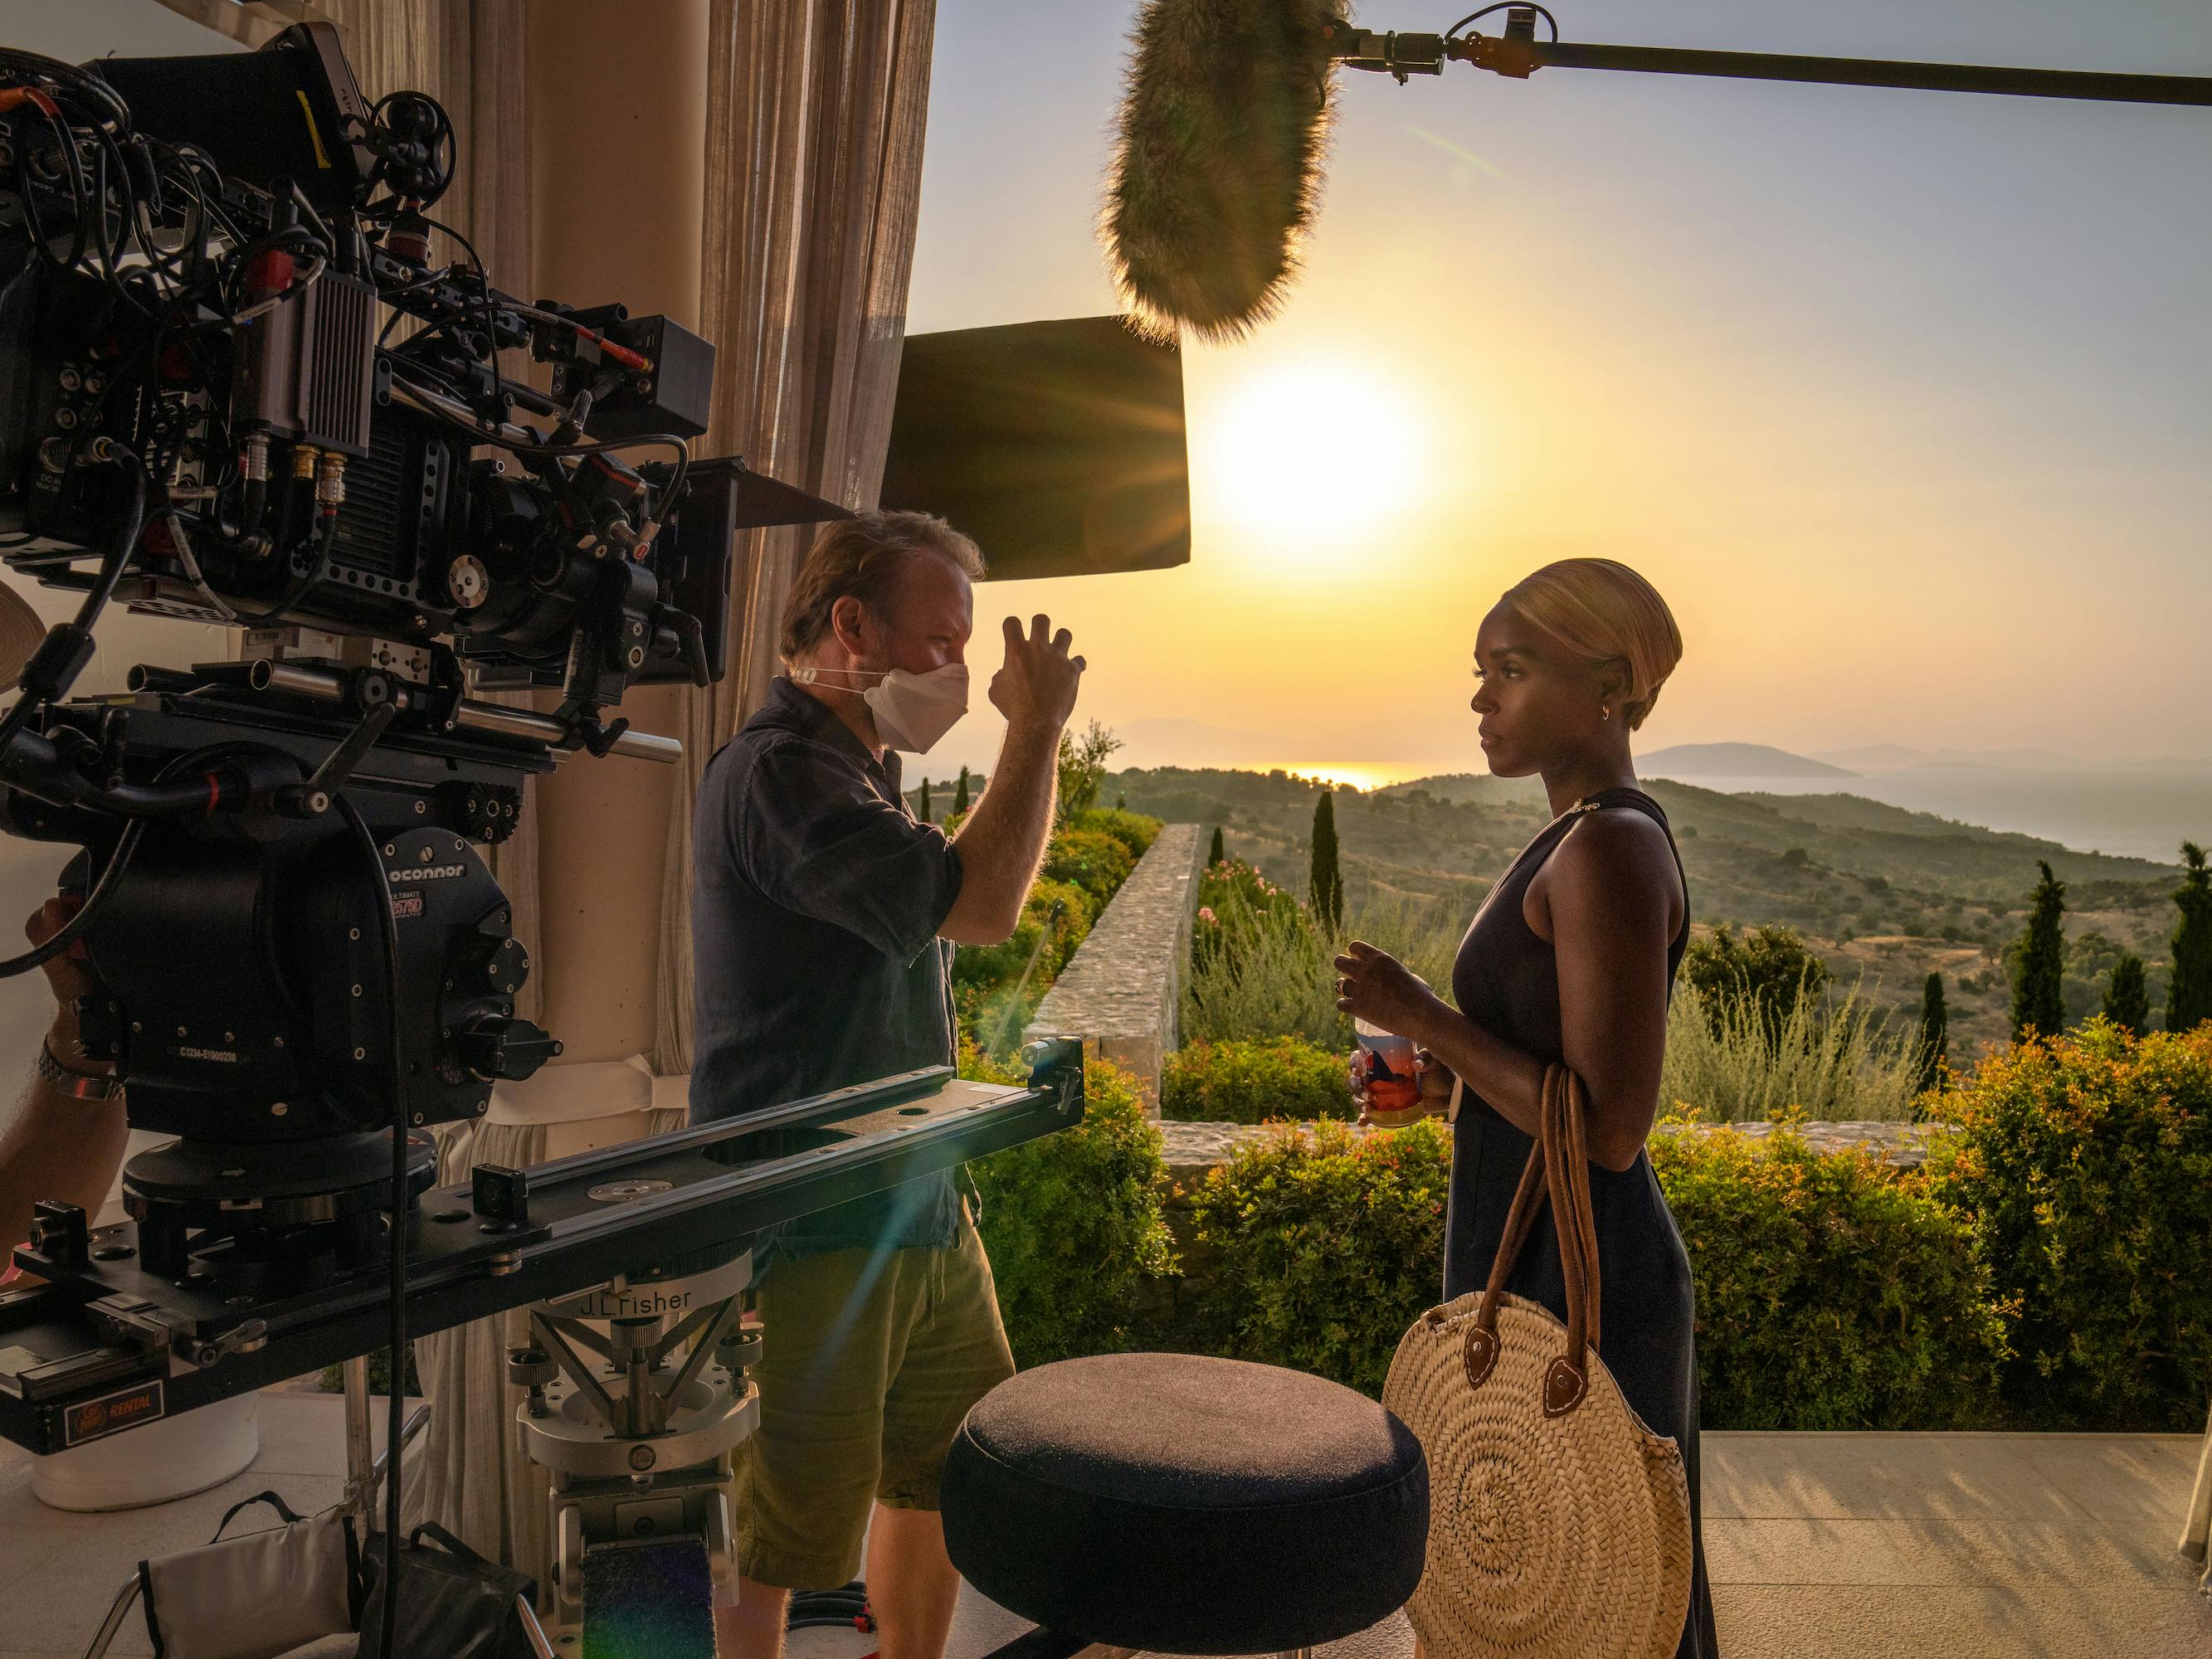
(823, 918)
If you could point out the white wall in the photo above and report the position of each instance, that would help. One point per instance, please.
(74, 30)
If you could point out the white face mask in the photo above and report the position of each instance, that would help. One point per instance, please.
(912, 711)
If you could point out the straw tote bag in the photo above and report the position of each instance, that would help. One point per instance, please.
(1560, 1525)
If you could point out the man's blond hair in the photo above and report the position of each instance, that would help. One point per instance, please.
(861, 558)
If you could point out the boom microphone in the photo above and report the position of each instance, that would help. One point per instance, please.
(1216, 172)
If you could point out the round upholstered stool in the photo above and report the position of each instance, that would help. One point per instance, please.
(1185, 1504)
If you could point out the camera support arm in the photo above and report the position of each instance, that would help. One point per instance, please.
(504, 1239)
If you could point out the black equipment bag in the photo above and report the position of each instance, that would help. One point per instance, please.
(452, 1602)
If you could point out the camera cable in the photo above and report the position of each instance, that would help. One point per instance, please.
(73, 929)
(35, 696)
(397, 1332)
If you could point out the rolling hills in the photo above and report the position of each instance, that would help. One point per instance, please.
(1885, 895)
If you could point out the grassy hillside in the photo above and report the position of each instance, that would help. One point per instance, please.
(1882, 893)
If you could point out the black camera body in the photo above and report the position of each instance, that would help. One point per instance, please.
(427, 542)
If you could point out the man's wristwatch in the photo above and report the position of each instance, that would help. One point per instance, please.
(77, 1086)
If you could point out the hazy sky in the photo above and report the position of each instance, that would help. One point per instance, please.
(1904, 400)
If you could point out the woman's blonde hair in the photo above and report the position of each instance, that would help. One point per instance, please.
(1602, 611)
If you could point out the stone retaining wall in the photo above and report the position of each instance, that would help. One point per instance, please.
(1121, 991)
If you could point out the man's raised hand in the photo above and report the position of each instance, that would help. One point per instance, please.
(1037, 686)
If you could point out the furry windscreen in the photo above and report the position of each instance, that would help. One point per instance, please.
(1217, 166)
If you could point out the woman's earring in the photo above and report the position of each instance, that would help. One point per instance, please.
(1603, 713)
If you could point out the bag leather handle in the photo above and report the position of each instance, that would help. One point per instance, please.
(1558, 1171)
(453, 1545)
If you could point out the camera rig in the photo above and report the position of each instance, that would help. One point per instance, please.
(236, 387)
(204, 414)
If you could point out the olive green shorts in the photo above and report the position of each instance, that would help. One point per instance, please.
(870, 1359)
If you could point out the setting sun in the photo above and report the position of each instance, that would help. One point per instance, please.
(1302, 452)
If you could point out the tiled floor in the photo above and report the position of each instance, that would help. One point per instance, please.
(1821, 1546)
(2032, 1547)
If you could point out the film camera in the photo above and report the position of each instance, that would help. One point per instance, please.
(235, 388)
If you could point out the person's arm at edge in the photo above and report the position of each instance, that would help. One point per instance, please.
(1001, 846)
(55, 1146)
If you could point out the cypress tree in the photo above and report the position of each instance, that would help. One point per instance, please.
(1327, 886)
(960, 794)
(1934, 1031)
(925, 800)
(2039, 1000)
(1220, 853)
(2127, 998)
(2189, 994)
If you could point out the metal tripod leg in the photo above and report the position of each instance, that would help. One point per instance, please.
(365, 1465)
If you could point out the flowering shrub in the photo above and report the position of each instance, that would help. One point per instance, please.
(1234, 884)
(1258, 967)
(1324, 1246)
(2088, 1159)
(1251, 1082)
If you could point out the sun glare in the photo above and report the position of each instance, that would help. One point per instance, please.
(1300, 454)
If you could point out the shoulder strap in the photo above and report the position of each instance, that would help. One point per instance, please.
(1558, 1171)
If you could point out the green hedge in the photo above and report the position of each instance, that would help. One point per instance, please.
(1831, 1294)
(2089, 1158)
(1324, 1246)
(2052, 1266)
(1134, 830)
(1238, 1082)
(1073, 1222)
(1090, 859)
(1086, 863)
(986, 977)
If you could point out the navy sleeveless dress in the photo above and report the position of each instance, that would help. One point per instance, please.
(1506, 980)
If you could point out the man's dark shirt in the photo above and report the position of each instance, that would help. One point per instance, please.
(815, 902)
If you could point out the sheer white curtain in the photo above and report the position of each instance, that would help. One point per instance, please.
(815, 116)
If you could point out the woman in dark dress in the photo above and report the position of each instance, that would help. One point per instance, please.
(1572, 957)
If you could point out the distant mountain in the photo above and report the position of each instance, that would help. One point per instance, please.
(1733, 760)
(1430, 837)
(1904, 758)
